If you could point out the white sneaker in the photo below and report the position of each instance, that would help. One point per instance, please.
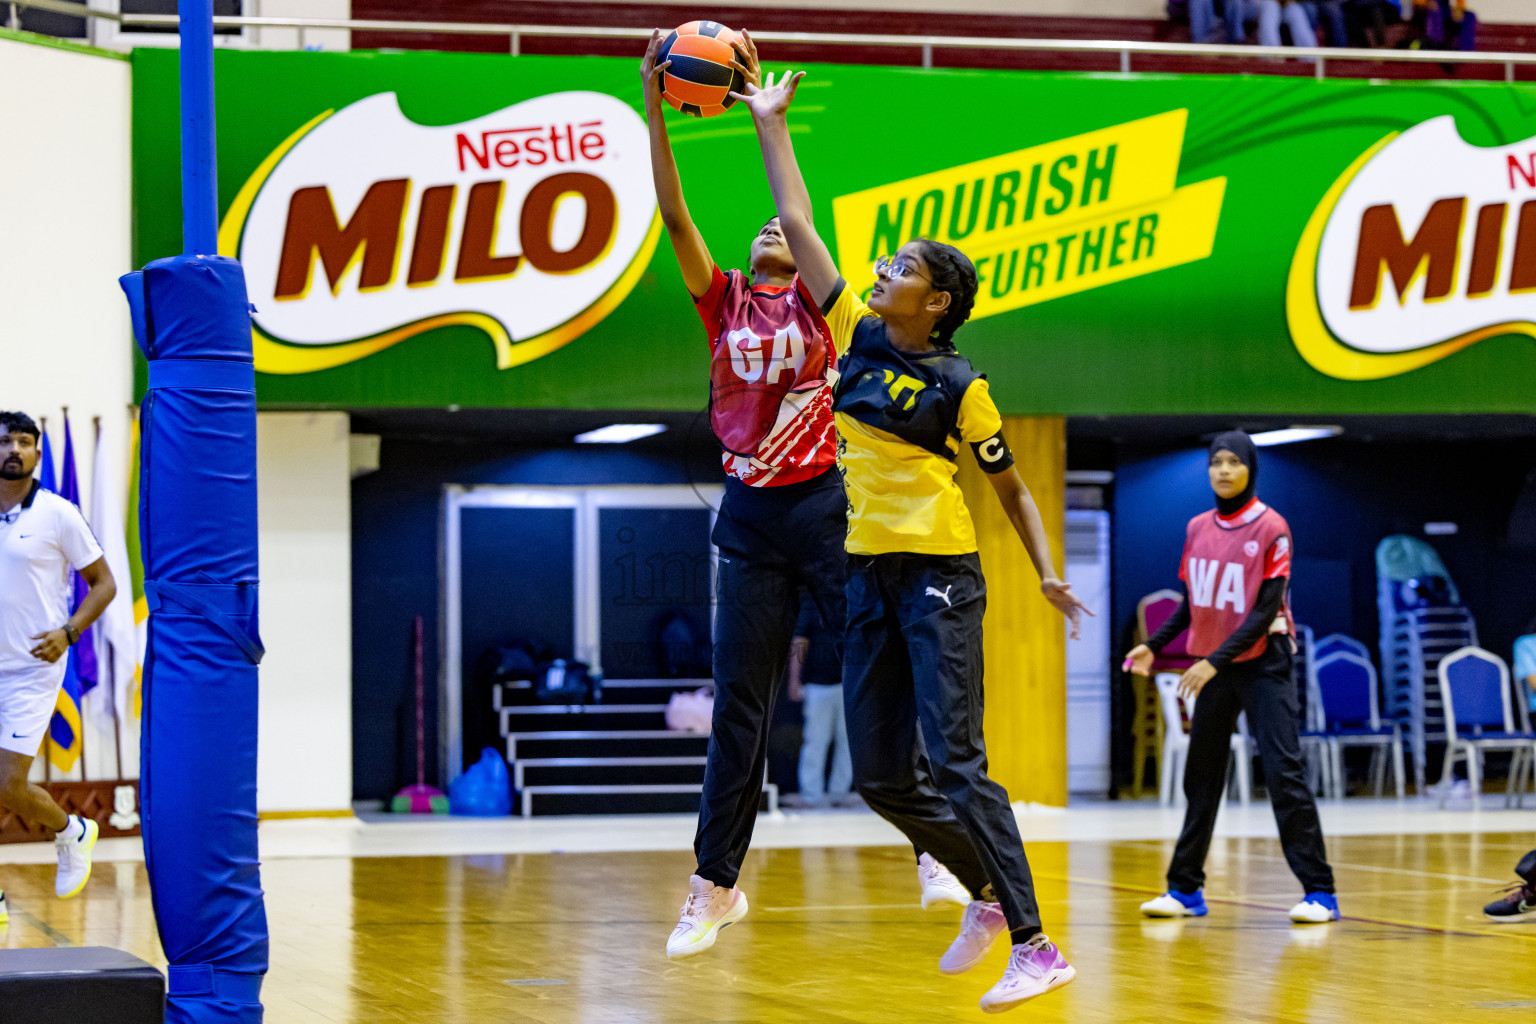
(940, 886)
(75, 858)
(5, 913)
(708, 909)
(1316, 908)
(1169, 905)
(1033, 970)
(979, 928)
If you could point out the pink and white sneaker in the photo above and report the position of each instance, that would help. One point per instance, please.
(940, 886)
(979, 928)
(1034, 968)
(708, 909)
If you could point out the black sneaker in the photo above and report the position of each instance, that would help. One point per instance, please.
(1519, 902)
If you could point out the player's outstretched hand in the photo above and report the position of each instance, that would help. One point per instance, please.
(649, 69)
(746, 59)
(774, 98)
(1063, 600)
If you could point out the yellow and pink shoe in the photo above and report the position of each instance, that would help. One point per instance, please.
(708, 909)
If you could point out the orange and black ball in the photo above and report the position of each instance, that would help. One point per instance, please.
(701, 78)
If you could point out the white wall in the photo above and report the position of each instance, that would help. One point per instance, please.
(65, 217)
(306, 612)
(292, 39)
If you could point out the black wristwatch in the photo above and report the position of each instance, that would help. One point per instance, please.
(72, 633)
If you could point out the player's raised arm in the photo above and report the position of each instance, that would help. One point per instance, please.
(769, 106)
(692, 254)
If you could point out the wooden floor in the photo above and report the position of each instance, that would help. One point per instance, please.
(835, 936)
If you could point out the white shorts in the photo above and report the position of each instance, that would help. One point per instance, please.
(27, 699)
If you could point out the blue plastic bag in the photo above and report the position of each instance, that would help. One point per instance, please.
(485, 789)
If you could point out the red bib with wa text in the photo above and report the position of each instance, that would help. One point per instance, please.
(1226, 559)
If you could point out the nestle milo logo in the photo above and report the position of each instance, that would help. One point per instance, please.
(365, 228)
(1425, 245)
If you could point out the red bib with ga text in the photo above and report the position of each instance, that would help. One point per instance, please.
(1226, 559)
(770, 381)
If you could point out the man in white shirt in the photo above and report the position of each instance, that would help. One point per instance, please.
(42, 537)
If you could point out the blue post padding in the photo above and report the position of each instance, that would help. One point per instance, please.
(133, 287)
(205, 374)
(199, 178)
(197, 518)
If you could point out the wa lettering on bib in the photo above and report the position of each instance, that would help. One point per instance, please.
(1226, 560)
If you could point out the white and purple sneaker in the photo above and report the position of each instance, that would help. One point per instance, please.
(980, 926)
(1034, 968)
(940, 886)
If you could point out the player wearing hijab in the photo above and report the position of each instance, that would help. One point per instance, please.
(1236, 572)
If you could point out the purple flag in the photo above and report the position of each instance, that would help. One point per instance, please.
(82, 656)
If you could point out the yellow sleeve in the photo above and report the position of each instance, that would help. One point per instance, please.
(979, 418)
(847, 310)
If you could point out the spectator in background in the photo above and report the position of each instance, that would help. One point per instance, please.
(816, 676)
(1269, 14)
(1443, 25)
(1525, 663)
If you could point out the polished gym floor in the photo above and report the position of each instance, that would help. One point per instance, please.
(835, 933)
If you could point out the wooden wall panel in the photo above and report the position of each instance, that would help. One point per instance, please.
(1024, 638)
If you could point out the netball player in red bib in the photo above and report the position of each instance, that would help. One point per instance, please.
(1236, 573)
(781, 524)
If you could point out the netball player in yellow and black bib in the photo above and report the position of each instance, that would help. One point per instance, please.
(905, 406)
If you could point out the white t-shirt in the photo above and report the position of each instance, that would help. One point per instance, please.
(36, 553)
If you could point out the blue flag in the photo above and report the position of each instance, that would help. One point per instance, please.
(82, 656)
(49, 481)
(80, 674)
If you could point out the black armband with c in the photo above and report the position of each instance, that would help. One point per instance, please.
(992, 454)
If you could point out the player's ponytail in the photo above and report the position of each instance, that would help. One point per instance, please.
(952, 272)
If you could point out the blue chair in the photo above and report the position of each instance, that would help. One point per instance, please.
(1480, 716)
(1338, 641)
(1347, 689)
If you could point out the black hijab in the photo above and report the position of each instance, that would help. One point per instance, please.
(1241, 445)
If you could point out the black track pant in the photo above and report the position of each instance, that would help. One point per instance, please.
(912, 660)
(1265, 688)
(772, 540)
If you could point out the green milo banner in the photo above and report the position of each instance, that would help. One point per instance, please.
(439, 229)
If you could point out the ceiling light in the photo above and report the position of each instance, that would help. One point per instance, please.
(620, 433)
(1291, 435)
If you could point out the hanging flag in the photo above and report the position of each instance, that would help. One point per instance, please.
(117, 647)
(83, 654)
(48, 481)
(64, 730)
(136, 575)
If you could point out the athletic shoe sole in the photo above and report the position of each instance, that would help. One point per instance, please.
(736, 913)
(92, 833)
(944, 898)
(978, 958)
(1055, 979)
(1524, 918)
(1312, 920)
(1183, 911)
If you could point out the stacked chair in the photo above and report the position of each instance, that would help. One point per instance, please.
(1422, 622)
(1480, 715)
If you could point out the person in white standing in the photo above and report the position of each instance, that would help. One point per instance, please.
(42, 537)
